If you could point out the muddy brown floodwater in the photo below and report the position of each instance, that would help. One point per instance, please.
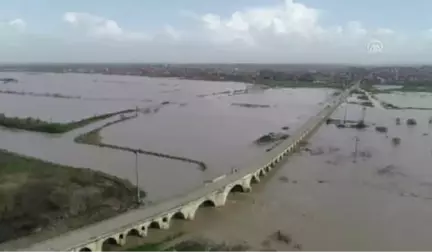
(214, 131)
(324, 200)
(320, 199)
(196, 121)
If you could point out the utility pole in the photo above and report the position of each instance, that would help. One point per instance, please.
(356, 139)
(363, 114)
(138, 192)
(345, 113)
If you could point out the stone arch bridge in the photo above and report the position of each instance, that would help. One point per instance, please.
(139, 221)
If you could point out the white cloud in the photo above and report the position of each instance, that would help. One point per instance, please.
(289, 26)
(286, 32)
(100, 27)
(172, 32)
(17, 24)
(252, 25)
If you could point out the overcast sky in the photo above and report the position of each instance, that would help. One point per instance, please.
(261, 31)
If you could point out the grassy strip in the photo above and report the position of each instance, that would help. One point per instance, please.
(205, 245)
(363, 103)
(52, 95)
(146, 248)
(35, 194)
(156, 246)
(93, 138)
(35, 124)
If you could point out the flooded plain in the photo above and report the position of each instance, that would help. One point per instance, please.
(216, 132)
(198, 121)
(403, 99)
(333, 195)
(327, 198)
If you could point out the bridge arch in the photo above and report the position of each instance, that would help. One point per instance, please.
(267, 168)
(236, 188)
(204, 203)
(134, 232)
(179, 216)
(155, 224)
(207, 203)
(85, 249)
(111, 241)
(254, 179)
(262, 172)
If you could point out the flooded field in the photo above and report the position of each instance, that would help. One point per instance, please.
(112, 87)
(387, 87)
(59, 110)
(328, 198)
(199, 120)
(413, 99)
(214, 131)
(348, 189)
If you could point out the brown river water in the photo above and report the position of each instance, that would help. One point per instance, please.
(321, 198)
(199, 123)
(326, 199)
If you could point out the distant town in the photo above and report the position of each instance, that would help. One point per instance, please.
(281, 74)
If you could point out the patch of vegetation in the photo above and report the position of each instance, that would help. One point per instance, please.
(363, 103)
(94, 138)
(300, 84)
(8, 80)
(398, 121)
(363, 97)
(154, 247)
(271, 137)
(35, 124)
(52, 95)
(37, 195)
(396, 141)
(411, 122)
(282, 237)
(356, 91)
(381, 129)
(205, 245)
(250, 105)
(284, 179)
(388, 105)
(367, 104)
